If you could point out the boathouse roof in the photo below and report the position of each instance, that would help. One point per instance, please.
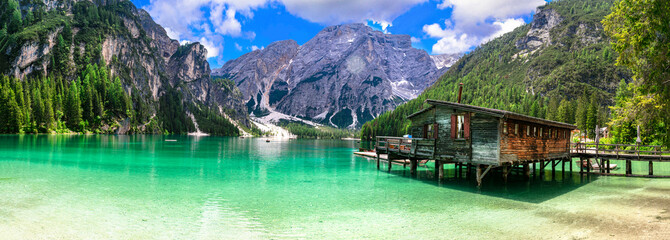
(493, 112)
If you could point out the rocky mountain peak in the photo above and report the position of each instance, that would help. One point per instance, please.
(357, 72)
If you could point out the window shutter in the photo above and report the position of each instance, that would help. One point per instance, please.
(453, 126)
(435, 131)
(466, 122)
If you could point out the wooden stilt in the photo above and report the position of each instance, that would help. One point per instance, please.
(534, 170)
(581, 165)
(479, 175)
(505, 170)
(553, 168)
(562, 166)
(390, 159)
(467, 170)
(608, 166)
(378, 160)
(629, 171)
(542, 165)
(570, 163)
(651, 168)
(440, 171)
(526, 170)
(412, 166)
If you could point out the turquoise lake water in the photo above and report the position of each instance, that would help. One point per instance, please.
(143, 187)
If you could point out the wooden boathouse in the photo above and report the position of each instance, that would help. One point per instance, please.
(480, 138)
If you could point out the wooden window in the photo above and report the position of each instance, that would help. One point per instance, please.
(527, 131)
(534, 131)
(430, 131)
(505, 128)
(516, 129)
(460, 126)
(541, 132)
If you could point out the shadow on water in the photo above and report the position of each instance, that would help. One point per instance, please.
(518, 187)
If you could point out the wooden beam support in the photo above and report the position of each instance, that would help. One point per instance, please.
(651, 168)
(480, 175)
(378, 160)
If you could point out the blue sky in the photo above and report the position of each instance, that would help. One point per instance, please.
(231, 28)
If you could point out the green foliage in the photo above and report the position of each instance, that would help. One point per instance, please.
(641, 36)
(171, 113)
(321, 132)
(212, 122)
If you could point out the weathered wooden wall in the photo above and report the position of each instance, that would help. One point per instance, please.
(485, 137)
(481, 148)
(524, 148)
(416, 129)
(446, 147)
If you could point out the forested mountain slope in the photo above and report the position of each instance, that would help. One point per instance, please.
(560, 67)
(105, 66)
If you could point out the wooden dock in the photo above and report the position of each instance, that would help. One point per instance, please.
(404, 151)
(602, 154)
(384, 157)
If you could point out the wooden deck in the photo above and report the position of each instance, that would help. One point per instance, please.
(596, 154)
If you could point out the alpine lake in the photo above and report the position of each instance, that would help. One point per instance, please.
(183, 187)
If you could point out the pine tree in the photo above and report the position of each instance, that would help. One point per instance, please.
(580, 113)
(72, 108)
(592, 116)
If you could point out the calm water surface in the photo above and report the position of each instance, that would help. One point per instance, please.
(143, 187)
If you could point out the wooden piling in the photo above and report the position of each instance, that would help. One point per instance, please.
(390, 160)
(526, 170)
(505, 170)
(651, 168)
(412, 166)
(534, 170)
(440, 170)
(378, 160)
(570, 163)
(562, 166)
(553, 168)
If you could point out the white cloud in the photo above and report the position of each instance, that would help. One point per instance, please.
(415, 40)
(238, 47)
(225, 25)
(344, 11)
(212, 49)
(474, 22)
(189, 20)
(480, 10)
(254, 48)
(505, 26)
(453, 44)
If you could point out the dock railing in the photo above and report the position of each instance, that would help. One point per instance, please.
(410, 147)
(394, 144)
(620, 150)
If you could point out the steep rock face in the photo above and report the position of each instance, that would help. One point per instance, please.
(539, 33)
(141, 54)
(344, 76)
